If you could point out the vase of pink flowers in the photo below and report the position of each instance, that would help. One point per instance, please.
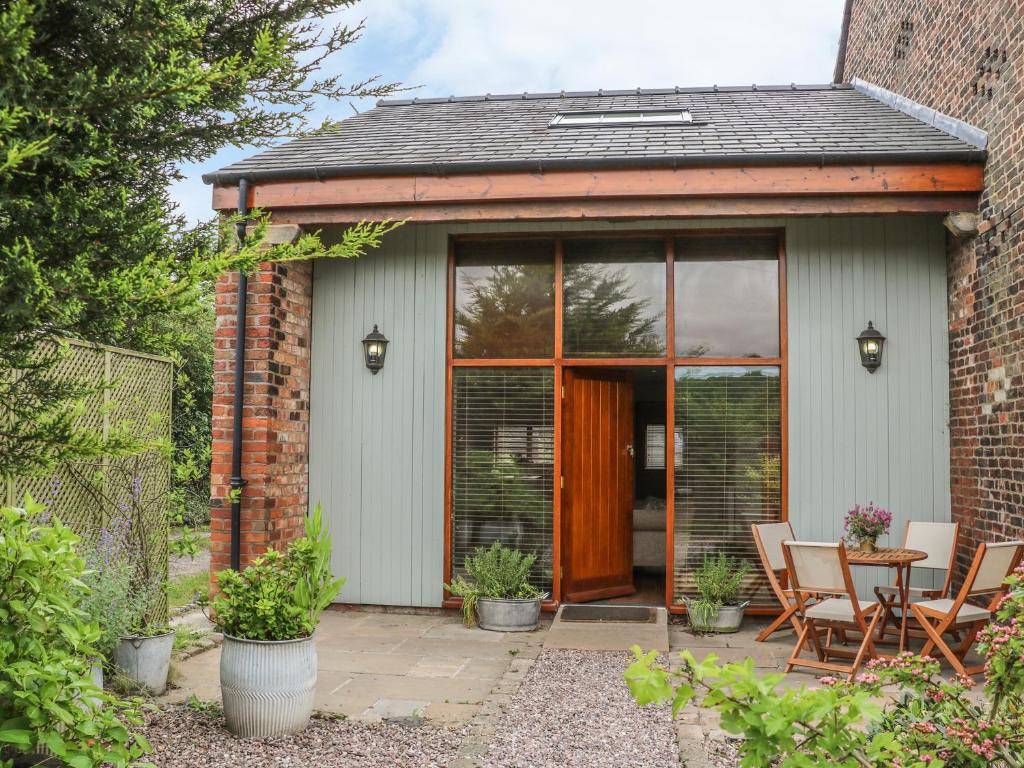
(865, 524)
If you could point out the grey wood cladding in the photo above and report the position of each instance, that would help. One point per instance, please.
(377, 442)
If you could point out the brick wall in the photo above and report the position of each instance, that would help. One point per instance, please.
(275, 416)
(964, 58)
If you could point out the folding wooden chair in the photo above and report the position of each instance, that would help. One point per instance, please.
(992, 564)
(939, 541)
(769, 537)
(822, 568)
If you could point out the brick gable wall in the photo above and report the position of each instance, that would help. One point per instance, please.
(965, 58)
(275, 417)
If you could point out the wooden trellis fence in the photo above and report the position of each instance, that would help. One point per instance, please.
(127, 390)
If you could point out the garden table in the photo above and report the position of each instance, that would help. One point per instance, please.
(901, 560)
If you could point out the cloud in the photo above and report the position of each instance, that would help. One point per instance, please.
(490, 46)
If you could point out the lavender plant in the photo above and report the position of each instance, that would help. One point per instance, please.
(110, 602)
(133, 491)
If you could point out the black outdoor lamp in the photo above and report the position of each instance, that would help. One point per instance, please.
(870, 343)
(375, 347)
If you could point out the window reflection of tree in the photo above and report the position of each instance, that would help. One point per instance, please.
(730, 475)
(509, 312)
(604, 315)
(502, 479)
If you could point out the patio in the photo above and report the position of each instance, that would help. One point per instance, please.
(496, 695)
(375, 666)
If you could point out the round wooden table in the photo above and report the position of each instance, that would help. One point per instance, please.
(901, 560)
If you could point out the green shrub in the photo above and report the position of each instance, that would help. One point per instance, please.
(47, 698)
(926, 722)
(279, 596)
(497, 573)
(719, 582)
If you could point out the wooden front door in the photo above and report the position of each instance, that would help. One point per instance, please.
(597, 499)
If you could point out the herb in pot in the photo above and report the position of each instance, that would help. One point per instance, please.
(719, 583)
(498, 573)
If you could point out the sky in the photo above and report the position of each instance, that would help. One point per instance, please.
(465, 47)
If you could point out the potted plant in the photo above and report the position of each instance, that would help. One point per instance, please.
(110, 602)
(864, 525)
(717, 607)
(143, 653)
(132, 488)
(268, 614)
(496, 592)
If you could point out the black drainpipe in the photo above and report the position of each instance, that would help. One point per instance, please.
(237, 482)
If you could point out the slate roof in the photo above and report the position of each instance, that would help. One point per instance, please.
(751, 125)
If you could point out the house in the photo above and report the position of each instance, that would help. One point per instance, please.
(963, 59)
(623, 326)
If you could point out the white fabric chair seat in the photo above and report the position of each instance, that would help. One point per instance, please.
(839, 609)
(886, 589)
(966, 614)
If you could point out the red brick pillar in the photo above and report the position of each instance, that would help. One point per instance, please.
(275, 415)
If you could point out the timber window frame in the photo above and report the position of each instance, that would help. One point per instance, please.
(669, 362)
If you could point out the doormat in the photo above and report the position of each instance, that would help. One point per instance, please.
(633, 614)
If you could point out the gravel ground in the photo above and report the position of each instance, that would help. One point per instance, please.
(723, 754)
(573, 709)
(183, 738)
(183, 565)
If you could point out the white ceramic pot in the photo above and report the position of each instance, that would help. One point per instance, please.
(267, 686)
(146, 660)
(507, 615)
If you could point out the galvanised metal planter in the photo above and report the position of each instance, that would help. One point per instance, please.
(146, 660)
(508, 615)
(726, 621)
(267, 686)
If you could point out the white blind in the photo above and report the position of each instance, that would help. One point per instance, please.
(503, 463)
(654, 444)
(730, 472)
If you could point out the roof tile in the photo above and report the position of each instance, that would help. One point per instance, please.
(730, 123)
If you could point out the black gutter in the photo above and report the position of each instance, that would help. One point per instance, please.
(320, 172)
(237, 481)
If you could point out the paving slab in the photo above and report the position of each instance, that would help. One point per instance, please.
(608, 636)
(391, 709)
(372, 665)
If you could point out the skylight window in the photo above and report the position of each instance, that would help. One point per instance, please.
(622, 117)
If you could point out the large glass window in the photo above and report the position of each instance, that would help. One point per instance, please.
(727, 297)
(505, 299)
(503, 463)
(614, 298)
(729, 475)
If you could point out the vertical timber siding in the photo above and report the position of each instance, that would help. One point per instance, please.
(855, 436)
(377, 442)
(963, 58)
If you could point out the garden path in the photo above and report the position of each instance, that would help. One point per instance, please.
(378, 666)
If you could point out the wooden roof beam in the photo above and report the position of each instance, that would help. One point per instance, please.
(682, 183)
(684, 208)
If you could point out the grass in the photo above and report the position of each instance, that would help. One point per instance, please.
(208, 708)
(186, 636)
(183, 589)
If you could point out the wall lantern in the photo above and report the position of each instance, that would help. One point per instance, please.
(375, 347)
(870, 343)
